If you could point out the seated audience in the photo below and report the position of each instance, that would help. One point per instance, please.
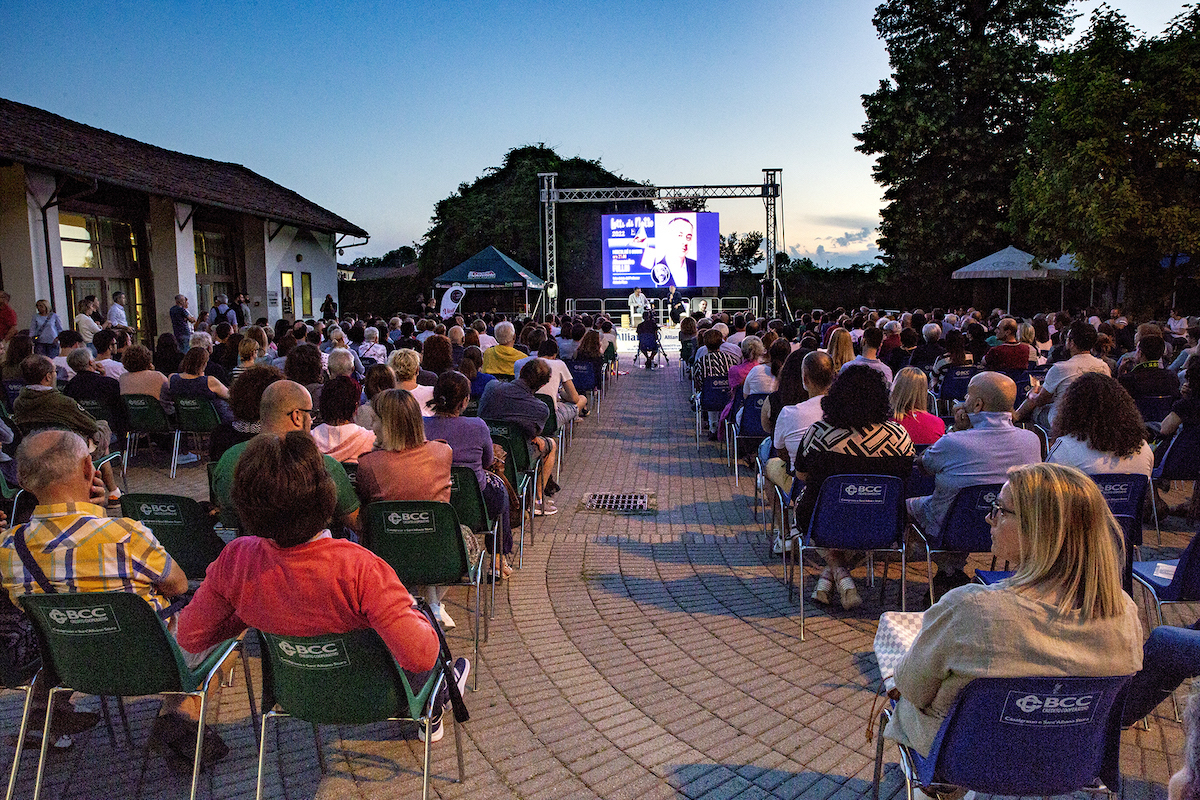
(1145, 375)
(40, 405)
(1057, 615)
(77, 547)
(1098, 429)
(568, 403)
(854, 435)
(379, 378)
(516, 402)
(244, 398)
(1010, 355)
(405, 364)
(955, 356)
(796, 418)
(106, 350)
(472, 366)
(338, 435)
(841, 348)
(286, 406)
(290, 577)
(1041, 405)
(406, 467)
(67, 341)
(910, 404)
(872, 339)
(499, 359)
(191, 381)
(980, 449)
(471, 443)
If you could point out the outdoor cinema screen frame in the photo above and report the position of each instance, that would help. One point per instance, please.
(655, 251)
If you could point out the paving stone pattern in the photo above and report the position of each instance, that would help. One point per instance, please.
(639, 656)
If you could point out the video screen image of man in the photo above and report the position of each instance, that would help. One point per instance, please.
(673, 247)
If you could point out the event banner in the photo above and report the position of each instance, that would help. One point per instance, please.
(679, 249)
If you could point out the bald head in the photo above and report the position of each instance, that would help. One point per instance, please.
(286, 406)
(995, 390)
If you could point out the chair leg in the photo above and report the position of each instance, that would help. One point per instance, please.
(883, 718)
(1154, 504)
(175, 453)
(124, 721)
(199, 752)
(104, 715)
(798, 565)
(262, 752)
(12, 776)
(320, 747)
(425, 770)
(458, 747)
(41, 768)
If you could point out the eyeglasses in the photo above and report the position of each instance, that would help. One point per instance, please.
(304, 411)
(998, 509)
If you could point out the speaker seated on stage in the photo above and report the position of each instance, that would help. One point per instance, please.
(647, 333)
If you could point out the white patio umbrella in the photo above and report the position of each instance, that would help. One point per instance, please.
(1011, 263)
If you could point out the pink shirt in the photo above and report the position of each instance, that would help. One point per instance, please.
(422, 473)
(323, 586)
(923, 427)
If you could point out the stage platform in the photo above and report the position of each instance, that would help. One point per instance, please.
(627, 343)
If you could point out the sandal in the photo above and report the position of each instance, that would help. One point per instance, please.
(824, 587)
(848, 591)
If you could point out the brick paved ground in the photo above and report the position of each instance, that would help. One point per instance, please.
(632, 657)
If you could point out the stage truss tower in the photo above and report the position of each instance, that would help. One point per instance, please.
(770, 190)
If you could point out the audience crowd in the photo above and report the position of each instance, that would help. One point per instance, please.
(319, 418)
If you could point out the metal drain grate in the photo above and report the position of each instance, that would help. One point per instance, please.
(618, 503)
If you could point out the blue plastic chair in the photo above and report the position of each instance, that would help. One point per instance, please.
(714, 396)
(587, 380)
(855, 512)
(1126, 496)
(1154, 408)
(749, 429)
(965, 529)
(954, 383)
(1180, 462)
(1022, 736)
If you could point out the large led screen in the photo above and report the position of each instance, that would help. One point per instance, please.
(659, 250)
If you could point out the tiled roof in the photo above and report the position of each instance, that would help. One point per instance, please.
(38, 138)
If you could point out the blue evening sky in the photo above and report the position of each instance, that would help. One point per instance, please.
(378, 110)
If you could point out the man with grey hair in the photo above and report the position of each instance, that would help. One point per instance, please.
(930, 349)
(455, 335)
(285, 406)
(485, 339)
(72, 545)
(222, 312)
(499, 360)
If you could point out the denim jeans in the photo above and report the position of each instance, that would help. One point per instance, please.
(1171, 656)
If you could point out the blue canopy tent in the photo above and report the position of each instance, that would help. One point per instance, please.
(490, 269)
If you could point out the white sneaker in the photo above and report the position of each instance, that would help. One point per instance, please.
(444, 618)
(186, 458)
(777, 547)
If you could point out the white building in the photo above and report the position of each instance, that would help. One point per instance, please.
(87, 212)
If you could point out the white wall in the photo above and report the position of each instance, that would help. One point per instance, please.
(317, 258)
(172, 258)
(23, 243)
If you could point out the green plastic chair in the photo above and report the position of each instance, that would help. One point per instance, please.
(144, 414)
(23, 680)
(421, 541)
(343, 679)
(113, 644)
(472, 409)
(468, 502)
(520, 471)
(552, 430)
(181, 526)
(197, 416)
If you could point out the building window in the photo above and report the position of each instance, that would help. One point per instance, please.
(306, 294)
(288, 294)
(215, 271)
(101, 256)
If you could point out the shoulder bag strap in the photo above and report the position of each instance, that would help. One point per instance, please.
(31, 566)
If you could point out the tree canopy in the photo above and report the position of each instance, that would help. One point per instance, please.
(1113, 170)
(949, 128)
(501, 208)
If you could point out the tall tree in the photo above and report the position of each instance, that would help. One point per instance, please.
(949, 127)
(1113, 172)
(740, 255)
(501, 208)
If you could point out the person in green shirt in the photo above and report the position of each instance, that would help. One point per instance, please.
(286, 406)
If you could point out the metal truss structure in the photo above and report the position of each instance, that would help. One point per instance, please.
(770, 190)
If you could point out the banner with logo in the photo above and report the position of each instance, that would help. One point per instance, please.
(451, 300)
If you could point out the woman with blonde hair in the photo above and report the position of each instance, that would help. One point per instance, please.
(1062, 613)
(841, 348)
(406, 466)
(406, 364)
(1026, 334)
(910, 407)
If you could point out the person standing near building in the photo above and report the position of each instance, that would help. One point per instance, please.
(45, 329)
(116, 312)
(182, 322)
